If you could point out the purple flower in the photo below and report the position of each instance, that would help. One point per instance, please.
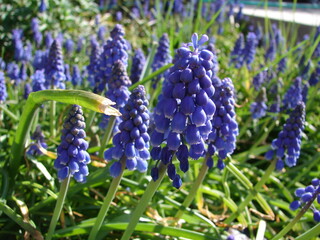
(222, 137)
(258, 108)
(13, 72)
(131, 144)
(48, 39)
(42, 6)
(307, 196)
(101, 33)
(185, 109)
(3, 89)
(115, 49)
(118, 16)
(2, 64)
(237, 50)
(287, 145)
(38, 81)
(72, 152)
(258, 80)
(37, 35)
(271, 52)
(294, 95)
(282, 65)
(315, 76)
(80, 44)
(138, 63)
(248, 52)
(76, 76)
(69, 45)
(38, 141)
(161, 58)
(40, 59)
(93, 67)
(55, 76)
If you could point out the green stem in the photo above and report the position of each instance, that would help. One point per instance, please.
(19, 220)
(107, 135)
(53, 119)
(143, 203)
(195, 186)
(313, 232)
(287, 228)
(106, 203)
(86, 99)
(59, 206)
(90, 121)
(9, 113)
(253, 192)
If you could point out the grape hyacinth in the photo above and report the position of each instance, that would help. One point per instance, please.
(315, 76)
(118, 91)
(39, 141)
(307, 196)
(55, 76)
(69, 45)
(258, 80)
(138, 63)
(2, 64)
(237, 50)
(76, 78)
(258, 108)
(132, 142)
(101, 33)
(38, 81)
(3, 88)
(93, 67)
(184, 110)
(271, 52)
(72, 152)
(287, 145)
(80, 44)
(40, 60)
(282, 65)
(115, 49)
(27, 90)
(13, 72)
(18, 45)
(248, 52)
(42, 6)
(161, 58)
(222, 138)
(48, 39)
(275, 106)
(37, 35)
(294, 95)
(67, 72)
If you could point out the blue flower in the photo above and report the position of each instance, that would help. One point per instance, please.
(115, 49)
(2, 64)
(43, 6)
(3, 89)
(69, 45)
(40, 59)
(258, 108)
(185, 109)
(38, 81)
(294, 95)
(248, 52)
(76, 76)
(287, 145)
(138, 62)
(131, 144)
(161, 58)
(222, 137)
(39, 141)
(72, 152)
(93, 67)
(315, 76)
(307, 196)
(237, 50)
(80, 44)
(55, 76)
(37, 35)
(48, 39)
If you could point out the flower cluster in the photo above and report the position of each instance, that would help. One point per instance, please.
(18, 45)
(236, 52)
(161, 58)
(259, 107)
(287, 145)
(37, 35)
(248, 52)
(2, 64)
(118, 91)
(27, 90)
(307, 195)
(185, 109)
(69, 46)
(258, 80)
(138, 62)
(114, 50)
(72, 152)
(93, 67)
(40, 60)
(294, 95)
(54, 71)
(39, 140)
(76, 78)
(132, 142)
(222, 138)
(3, 89)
